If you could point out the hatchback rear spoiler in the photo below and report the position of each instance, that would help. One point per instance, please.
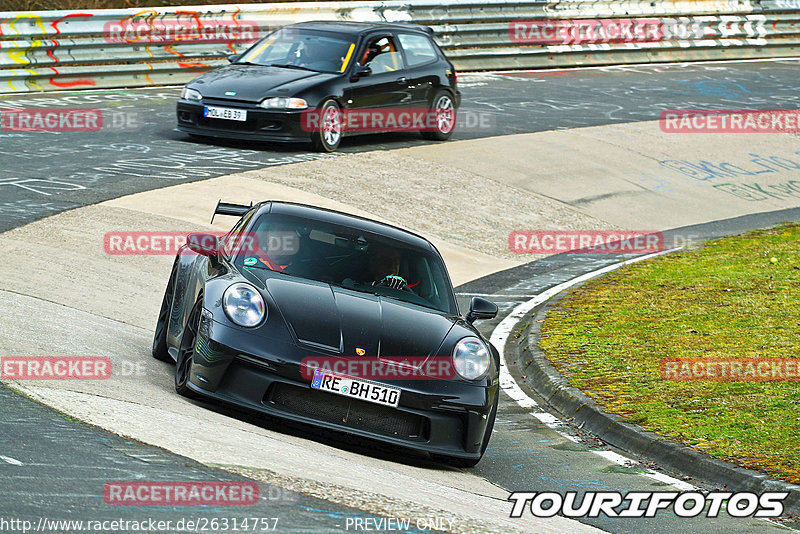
(226, 208)
(426, 29)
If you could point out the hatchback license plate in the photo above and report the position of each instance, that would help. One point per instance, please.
(356, 389)
(228, 114)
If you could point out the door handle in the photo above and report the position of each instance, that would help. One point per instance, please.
(402, 80)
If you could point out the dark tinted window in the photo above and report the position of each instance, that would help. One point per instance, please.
(294, 47)
(349, 257)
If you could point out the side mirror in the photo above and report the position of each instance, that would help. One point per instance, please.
(203, 244)
(481, 309)
(233, 58)
(360, 72)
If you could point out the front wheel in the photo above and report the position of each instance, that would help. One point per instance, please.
(329, 134)
(443, 110)
(183, 367)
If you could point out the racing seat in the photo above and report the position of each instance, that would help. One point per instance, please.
(385, 62)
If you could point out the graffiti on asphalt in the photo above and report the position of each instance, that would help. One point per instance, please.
(201, 164)
(42, 187)
(755, 164)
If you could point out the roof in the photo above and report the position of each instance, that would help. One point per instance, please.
(346, 219)
(352, 27)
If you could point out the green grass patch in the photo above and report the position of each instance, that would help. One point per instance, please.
(733, 298)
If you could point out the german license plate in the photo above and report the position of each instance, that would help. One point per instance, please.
(356, 389)
(228, 114)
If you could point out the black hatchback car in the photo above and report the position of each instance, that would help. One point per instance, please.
(332, 321)
(320, 81)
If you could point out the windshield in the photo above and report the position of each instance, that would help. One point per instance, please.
(301, 48)
(348, 257)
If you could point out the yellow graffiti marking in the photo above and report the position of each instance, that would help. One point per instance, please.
(18, 55)
(147, 76)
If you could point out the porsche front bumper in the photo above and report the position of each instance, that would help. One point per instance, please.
(441, 417)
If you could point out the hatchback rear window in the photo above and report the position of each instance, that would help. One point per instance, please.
(418, 49)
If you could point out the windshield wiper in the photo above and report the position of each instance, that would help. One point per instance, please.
(263, 267)
(351, 288)
(290, 66)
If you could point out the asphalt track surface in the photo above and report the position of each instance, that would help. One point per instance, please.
(43, 174)
(59, 466)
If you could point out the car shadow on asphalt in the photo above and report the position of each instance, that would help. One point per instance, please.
(340, 440)
(360, 143)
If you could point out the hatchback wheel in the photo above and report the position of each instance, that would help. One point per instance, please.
(329, 134)
(444, 111)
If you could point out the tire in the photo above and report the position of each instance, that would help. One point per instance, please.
(159, 350)
(472, 462)
(183, 367)
(329, 135)
(444, 107)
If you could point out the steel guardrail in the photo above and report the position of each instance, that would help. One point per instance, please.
(56, 50)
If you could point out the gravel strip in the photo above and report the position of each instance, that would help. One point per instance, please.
(373, 503)
(458, 206)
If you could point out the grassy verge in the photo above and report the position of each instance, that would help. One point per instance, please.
(733, 298)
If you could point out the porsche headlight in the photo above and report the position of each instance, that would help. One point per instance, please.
(283, 103)
(471, 358)
(244, 305)
(191, 94)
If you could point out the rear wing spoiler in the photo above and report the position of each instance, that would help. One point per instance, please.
(226, 208)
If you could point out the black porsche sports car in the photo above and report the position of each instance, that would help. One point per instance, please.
(320, 81)
(335, 321)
